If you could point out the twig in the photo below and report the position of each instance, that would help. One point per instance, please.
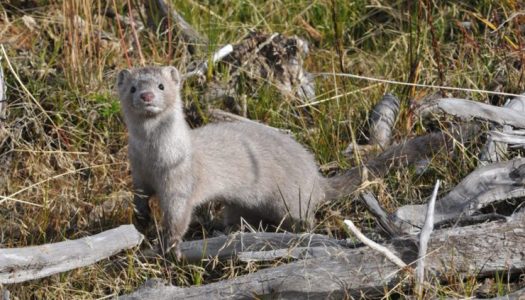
(381, 216)
(381, 249)
(203, 66)
(424, 237)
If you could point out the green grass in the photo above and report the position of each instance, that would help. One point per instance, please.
(69, 151)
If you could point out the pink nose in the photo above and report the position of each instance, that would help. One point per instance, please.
(147, 97)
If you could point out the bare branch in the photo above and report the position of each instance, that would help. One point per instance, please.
(487, 184)
(381, 216)
(158, 13)
(203, 66)
(381, 249)
(467, 109)
(424, 237)
(495, 148)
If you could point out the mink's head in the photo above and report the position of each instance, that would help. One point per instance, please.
(147, 92)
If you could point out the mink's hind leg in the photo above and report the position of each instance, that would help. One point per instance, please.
(268, 219)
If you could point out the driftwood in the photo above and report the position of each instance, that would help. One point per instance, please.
(467, 109)
(359, 272)
(292, 253)
(384, 221)
(515, 137)
(382, 121)
(380, 125)
(158, 15)
(424, 237)
(488, 184)
(495, 148)
(229, 246)
(22, 264)
(375, 246)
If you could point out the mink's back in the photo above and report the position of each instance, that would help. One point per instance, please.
(255, 166)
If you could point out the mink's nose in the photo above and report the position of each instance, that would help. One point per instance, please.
(147, 97)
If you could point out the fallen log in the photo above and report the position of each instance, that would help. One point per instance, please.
(382, 121)
(292, 253)
(360, 272)
(486, 185)
(229, 246)
(467, 109)
(22, 264)
(159, 12)
(496, 147)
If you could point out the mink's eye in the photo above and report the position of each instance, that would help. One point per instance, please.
(161, 86)
(133, 89)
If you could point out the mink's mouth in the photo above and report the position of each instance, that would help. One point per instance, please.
(148, 109)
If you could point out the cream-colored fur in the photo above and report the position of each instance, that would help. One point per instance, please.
(258, 173)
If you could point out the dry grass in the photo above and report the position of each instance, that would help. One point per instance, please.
(63, 145)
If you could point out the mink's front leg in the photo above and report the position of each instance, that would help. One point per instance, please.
(177, 210)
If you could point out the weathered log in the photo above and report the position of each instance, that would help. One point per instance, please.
(228, 246)
(292, 253)
(424, 237)
(495, 149)
(478, 249)
(158, 14)
(382, 218)
(516, 137)
(22, 264)
(487, 184)
(467, 109)
(382, 121)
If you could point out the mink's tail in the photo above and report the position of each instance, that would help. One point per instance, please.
(401, 155)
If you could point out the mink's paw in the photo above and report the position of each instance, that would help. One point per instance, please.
(171, 246)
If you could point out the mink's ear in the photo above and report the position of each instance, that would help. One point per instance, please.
(172, 73)
(122, 76)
